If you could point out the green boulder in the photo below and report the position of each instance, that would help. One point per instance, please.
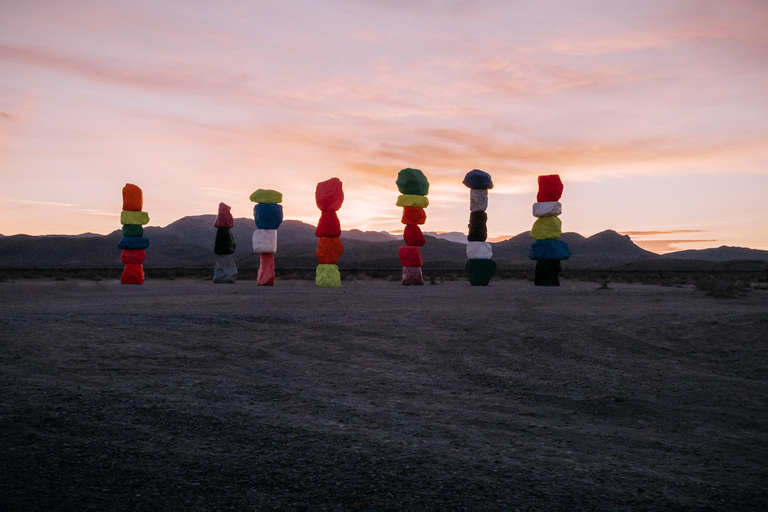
(480, 271)
(412, 181)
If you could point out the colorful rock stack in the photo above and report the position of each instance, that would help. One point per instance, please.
(547, 250)
(268, 214)
(224, 270)
(133, 242)
(480, 267)
(413, 187)
(329, 196)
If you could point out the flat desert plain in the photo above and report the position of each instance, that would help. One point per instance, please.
(186, 395)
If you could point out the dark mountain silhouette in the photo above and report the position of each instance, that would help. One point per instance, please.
(722, 253)
(188, 242)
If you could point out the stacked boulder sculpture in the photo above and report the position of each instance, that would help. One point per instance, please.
(480, 267)
(413, 187)
(224, 270)
(548, 250)
(329, 196)
(268, 214)
(133, 243)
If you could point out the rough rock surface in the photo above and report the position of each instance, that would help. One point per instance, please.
(550, 188)
(225, 242)
(410, 256)
(133, 198)
(412, 181)
(414, 215)
(479, 250)
(264, 240)
(266, 273)
(480, 271)
(224, 269)
(224, 217)
(329, 249)
(549, 250)
(133, 273)
(133, 242)
(412, 200)
(134, 217)
(266, 196)
(547, 228)
(135, 256)
(329, 195)
(327, 276)
(328, 225)
(478, 227)
(412, 276)
(478, 179)
(413, 236)
(268, 215)
(478, 200)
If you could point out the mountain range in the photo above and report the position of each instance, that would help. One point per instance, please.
(188, 242)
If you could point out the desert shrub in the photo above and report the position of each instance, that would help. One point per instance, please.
(722, 288)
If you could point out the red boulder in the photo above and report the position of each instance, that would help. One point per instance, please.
(132, 274)
(329, 195)
(550, 188)
(414, 215)
(410, 256)
(413, 236)
(328, 225)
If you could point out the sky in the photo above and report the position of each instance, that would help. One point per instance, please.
(654, 113)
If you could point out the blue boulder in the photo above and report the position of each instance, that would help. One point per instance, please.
(478, 179)
(133, 242)
(268, 215)
(549, 250)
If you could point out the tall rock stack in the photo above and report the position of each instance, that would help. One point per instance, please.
(329, 196)
(480, 267)
(133, 242)
(268, 214)
(224, 270)
(413, 187)
(547, 250)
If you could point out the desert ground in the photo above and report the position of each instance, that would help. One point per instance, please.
(186, 395)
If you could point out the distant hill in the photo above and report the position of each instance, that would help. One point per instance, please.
(188, 242)
(722, 253)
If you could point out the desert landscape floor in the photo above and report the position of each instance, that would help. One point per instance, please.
(185, 395)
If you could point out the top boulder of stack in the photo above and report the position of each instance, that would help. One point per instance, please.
(478, 179)
(550, 188)
(412, 182)
(267, 196)
(133, 198)
(329, 195)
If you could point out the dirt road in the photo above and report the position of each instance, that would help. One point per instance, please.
(187, 395)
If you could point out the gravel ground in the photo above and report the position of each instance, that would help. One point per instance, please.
(185, 395)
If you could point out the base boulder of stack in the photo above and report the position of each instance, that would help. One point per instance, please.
(327, 276)
(547, 273)
(480, 271)
(133, 273)
(224, 270)
(266, 274)
(412, 276)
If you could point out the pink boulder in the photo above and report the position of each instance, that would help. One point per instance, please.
(224, 219)
(412, 276)
(266, 275)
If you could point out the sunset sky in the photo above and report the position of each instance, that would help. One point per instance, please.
(654, 113)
